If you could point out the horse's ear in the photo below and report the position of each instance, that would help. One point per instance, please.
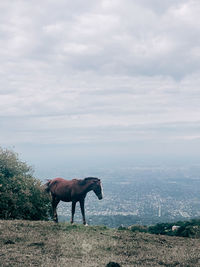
(96, 180)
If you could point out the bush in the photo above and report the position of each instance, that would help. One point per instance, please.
(186, 228)
(21, 195)
(138, 228)
(158, 229)
(121, 227)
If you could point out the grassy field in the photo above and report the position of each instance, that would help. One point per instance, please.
(27, 243)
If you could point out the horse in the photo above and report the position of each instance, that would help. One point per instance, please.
(74, 191)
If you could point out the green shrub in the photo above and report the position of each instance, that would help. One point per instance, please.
(161, 229)
(189, 231)
(189, 228)
(121, 227)
(21, 195)
(138, 228)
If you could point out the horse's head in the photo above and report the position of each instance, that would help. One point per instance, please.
(96, 186)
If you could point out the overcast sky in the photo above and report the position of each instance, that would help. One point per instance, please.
(100, 79)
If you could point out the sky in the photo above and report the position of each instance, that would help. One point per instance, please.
(94, 83)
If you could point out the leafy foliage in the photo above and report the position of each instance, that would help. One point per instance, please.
(189, 228)
(21, 195)
(138, 228)
(186, 228)
(161, 229)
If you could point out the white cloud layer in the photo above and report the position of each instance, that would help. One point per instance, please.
(107, 71)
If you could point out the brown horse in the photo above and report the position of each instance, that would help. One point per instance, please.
(72, 191)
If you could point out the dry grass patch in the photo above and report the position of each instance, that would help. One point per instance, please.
(25, 243)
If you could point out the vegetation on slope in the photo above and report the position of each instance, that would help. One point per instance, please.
(182, 228)
(21, 195)
(40, 243)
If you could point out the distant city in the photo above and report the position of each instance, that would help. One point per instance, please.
(142, 195)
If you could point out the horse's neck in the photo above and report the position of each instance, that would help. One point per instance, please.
(86, 188)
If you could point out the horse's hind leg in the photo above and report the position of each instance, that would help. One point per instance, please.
(73, 211)
(55, 202)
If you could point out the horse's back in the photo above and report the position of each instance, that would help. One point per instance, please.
(59, 179)
(62, 188)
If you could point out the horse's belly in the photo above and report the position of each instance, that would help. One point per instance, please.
(64, 193)
(66, 199)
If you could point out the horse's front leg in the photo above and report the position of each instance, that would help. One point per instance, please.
(55, 202)
(73, 211)
(82, 205)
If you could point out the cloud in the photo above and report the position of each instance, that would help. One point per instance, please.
(109, 37)
(99, 71)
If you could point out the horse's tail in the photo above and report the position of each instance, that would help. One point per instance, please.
(47, 186)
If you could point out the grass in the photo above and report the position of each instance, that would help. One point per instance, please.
(27, 243)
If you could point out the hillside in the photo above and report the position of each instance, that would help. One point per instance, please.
(27, 243)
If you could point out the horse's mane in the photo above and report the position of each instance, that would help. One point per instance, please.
(85, 180)
(91, 178)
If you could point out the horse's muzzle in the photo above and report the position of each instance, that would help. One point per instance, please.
(100, 197)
